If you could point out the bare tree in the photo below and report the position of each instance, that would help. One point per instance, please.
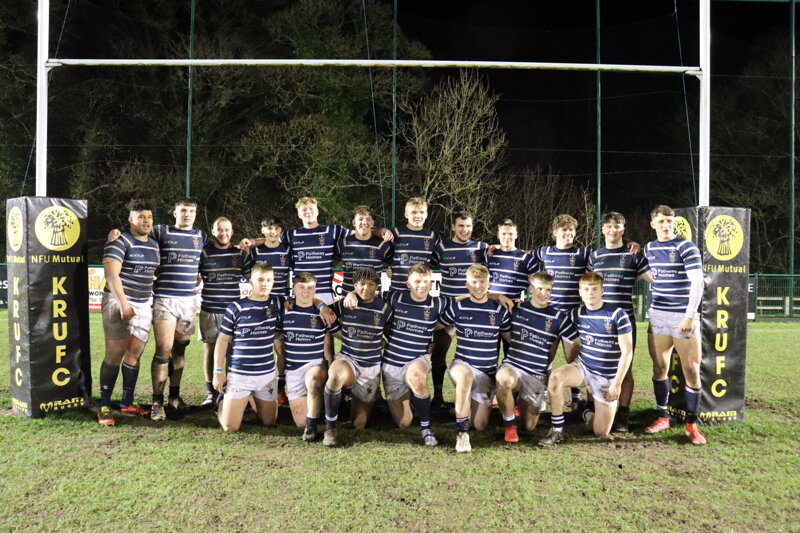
(456, 146)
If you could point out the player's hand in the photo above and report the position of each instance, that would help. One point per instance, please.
(288, 304)
(350, 301)
(113, 235)
(506, 302)
(613, 392)
(429, 347)
(686, 325)
(245, 244)
(634, 248)
(219, 382)
(126, 312)
(490, 250)
(387, 235)
(327, 315)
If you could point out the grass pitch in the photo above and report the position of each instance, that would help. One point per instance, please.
(66, 473)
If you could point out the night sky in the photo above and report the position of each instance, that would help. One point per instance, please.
(549, 116)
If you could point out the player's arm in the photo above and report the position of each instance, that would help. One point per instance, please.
(384, 233)
(626, 347)
(506, 336)
(634, 247)
(571, 349)
(220, 351)
(113, 235)
(647, 276)
(695, 296)
(112, 268)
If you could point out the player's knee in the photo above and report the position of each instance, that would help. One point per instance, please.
(228, 426)
(480, 425)
(417, 383)
(360, 423)
(504, 381)
(160, 359)
(404, 422)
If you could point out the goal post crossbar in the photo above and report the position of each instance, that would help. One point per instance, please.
(377, 63)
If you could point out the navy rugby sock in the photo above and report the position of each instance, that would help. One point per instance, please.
(108, 378)
(174, 391)
(692, 403)
(158, 398)
(462, 424)
(130, 374)
(332, 401)
(510, 421)
(661, 389)
(422, 408)
(558, 422)
(576, 394)
(210, 387)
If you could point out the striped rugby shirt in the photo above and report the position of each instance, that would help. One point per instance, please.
(409, 248)
(534, 332)
(362, 330)
(356, 254)
(566, 266)
(221, 270)
(180, 260)
(509, 271)
(304, 335)
(600, 330)
(478, 327)
(620, 269)
(251, 325)
(139, 259)
(278, 259)
(454, 260)
(411, 327)
(669, 263)
(312, 250)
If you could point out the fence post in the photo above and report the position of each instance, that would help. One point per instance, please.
(755, 290)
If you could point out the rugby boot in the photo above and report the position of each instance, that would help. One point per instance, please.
(695, 435)
(105, 417)
(552, 438)
(658, 426)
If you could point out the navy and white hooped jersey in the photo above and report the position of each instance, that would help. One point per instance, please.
(410, 248)
(534, 332)
(509, 271)
(180, 260)
(669, 263)
(454, 260)
(411, 327)
(620, 269)
(221, 269)
(600, 330)
(312, 251)
(478, 327)
(356, 254)
(251, 325)
(304, 335)
(139, 259)
(566, 266)
(278, 258)
(362, 330)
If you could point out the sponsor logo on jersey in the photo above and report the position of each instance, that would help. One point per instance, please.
(588, 340)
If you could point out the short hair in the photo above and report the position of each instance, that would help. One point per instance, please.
(612, 216)
(261, 267)
(137, 204)
(417, 201)
(304, 277)
(463, 215)
(478, 271)
(271, 221)
(305, 200)
(420, 269)
(665, 210)
(221, 219)
(366, 275)
(187, 201)
(506, 222)
(564, 221)
(363, 210)
(591, 278)
(542, 276)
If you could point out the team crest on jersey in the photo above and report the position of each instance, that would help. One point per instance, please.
(673, 256)
(427, 244)
(235, 260)
(376, 318)
(609, 327)
(548, 324)
(516, 265)
(269, 312)
(473, 257)
(492, 318)
(622, 260)
(313, 321)
(572, 260)
(322, 239)
(426, 313)
(196, 242)
(372, 253)
(283, 260)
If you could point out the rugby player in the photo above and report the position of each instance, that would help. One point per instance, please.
(455, 256)
(129, 263)
(221, 269)
(620, 268)
(358, 364)
(536, 328)
(307, 359)
(361, 249)
(677, 290)
(250, 325)
(604, 354)
(479, 322)
(413, 244)
(406, 363)
(509, 266)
